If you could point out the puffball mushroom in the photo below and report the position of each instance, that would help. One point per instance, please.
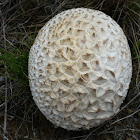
(80, 68)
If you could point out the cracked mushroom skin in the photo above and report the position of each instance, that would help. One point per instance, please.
(79, 68)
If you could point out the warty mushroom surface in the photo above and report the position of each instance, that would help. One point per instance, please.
(80, 68)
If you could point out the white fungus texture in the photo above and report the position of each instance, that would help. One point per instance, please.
(79, 68)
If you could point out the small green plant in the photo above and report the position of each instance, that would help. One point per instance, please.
(15, 60)
(16, 65)
(136, 47)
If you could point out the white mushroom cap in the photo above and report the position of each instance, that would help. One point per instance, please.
(80, 68)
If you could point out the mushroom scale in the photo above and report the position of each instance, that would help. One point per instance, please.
(79, 68)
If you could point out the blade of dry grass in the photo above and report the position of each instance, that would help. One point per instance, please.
(5, 111)
(126, 117)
